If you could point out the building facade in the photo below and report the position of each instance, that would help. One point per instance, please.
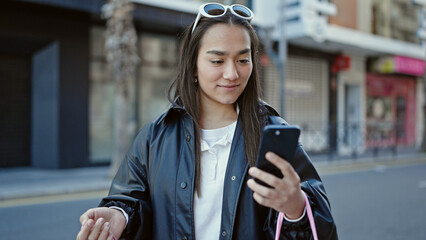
(354, 75)
(57, 94)
(44, 69)
(374, 65)
(56, 90)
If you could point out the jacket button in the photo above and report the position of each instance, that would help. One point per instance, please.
(223, 233)
(184, 238)
(183, 185)
(188, 138)
(233, 178)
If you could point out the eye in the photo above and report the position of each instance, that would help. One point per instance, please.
(216, 61)
(244, 61)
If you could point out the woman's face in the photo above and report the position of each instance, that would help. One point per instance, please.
(224, 64)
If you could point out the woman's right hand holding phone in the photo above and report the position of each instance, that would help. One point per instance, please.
(102, 224)
(286, 196)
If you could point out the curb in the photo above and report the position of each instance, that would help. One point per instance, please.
(63, 188)
(343, 166)
(33, 200)
(29, 183)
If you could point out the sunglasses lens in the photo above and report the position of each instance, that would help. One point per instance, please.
(214, 9)
(242, 11)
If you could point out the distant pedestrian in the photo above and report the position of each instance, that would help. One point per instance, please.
(188, 174)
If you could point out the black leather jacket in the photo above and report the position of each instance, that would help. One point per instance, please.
(155, 186)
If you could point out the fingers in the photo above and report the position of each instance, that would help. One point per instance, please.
(263, 195)
(260, 189)
(267, 202)
(253, 185)
(89, 214)
(284, 194)
(105, 231)
(97, 228)
(282, 164)
(265, 177)
(112, 237)
(101, 224)
(85, 230)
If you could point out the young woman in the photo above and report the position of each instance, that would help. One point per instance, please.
(189, 173)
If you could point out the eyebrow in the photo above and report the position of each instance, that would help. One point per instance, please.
(222, 53)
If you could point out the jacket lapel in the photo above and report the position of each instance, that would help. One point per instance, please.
(234, 181)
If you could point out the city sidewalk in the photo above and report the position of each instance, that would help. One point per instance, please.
(326, 165)
(17, 183)
(20, 183)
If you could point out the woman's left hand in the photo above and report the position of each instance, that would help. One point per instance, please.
(286, 195)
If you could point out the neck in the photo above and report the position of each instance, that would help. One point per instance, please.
(217, 117)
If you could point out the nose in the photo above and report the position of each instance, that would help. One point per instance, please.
(230, 72)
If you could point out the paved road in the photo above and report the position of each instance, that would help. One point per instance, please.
(47, 221)
(380, 203)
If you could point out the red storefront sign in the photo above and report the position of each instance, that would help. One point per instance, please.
(391, 110)
(341, 62)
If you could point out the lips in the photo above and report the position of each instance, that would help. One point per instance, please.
(229, 86)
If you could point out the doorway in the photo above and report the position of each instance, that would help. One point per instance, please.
(352, 121)
(15, 108)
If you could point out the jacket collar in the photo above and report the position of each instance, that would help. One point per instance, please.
(177, 107)
(266, 109)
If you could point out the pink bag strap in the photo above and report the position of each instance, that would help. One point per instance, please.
(310, 217)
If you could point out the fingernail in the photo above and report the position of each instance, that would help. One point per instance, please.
(100, 221)
(89, 224)
(249, 182)
(106, 225)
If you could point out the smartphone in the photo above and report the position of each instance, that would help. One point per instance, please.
(281, 140)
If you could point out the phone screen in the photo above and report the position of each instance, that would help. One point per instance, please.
(281, 140)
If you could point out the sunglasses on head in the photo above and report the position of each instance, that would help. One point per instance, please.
(212, 10)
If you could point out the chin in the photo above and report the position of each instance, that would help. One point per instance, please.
(227, 102)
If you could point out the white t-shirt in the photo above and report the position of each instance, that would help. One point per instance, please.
(215, 149)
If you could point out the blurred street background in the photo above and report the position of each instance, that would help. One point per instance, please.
(350, 73)
(370, 199)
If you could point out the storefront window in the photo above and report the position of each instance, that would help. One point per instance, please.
(380, 127)
(101, 98)
(156, 73)
(391, 110)
(148, 94)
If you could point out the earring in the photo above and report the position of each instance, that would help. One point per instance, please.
(196, 80)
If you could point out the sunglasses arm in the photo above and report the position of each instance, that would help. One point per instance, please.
(196, 22)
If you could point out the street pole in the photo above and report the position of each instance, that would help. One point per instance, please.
(282, 54)
(421, 34)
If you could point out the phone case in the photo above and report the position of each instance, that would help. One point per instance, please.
(280, 139)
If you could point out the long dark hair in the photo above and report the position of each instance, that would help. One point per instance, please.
(184, 88)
